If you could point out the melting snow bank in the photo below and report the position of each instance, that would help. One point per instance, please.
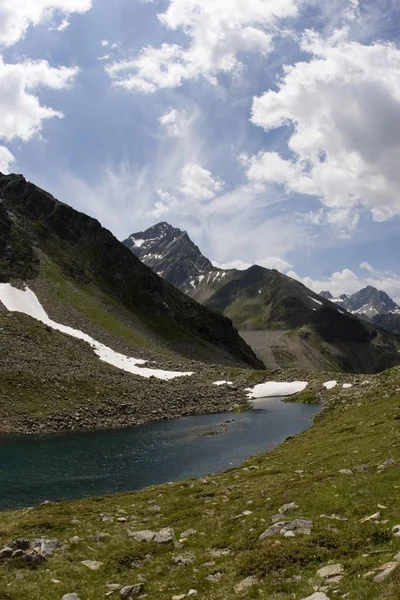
(272, 389)
(223, 383)
(26, 301)
(329, 385)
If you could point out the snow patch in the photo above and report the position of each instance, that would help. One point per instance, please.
(316, 301)
(347, 386)
(271, 389)
(138, 243)
(25, 301)
(329, 385)
(223, 383)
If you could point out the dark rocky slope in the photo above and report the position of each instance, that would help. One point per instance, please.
(34, 224)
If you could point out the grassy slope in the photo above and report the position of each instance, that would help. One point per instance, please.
(362, 431)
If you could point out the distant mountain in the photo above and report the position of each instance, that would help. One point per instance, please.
(371, 305)
(285, 323)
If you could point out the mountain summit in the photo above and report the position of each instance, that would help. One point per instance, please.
(171, 254)
(285, 323)
(368, 302)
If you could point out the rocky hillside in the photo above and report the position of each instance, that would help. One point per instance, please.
(87, 280)
(315, 332)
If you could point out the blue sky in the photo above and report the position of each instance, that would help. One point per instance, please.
(269, 131)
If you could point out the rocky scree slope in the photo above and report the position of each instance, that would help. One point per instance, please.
(300, 328)
(317, 519)
(86, 279)
(371, 305)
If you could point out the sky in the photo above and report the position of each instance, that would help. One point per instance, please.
(269, 131)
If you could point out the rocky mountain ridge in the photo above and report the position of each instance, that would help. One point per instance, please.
(314, 332)
(372, 305)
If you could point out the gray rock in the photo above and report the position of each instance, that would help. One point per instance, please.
(303, 526)
(385, 570)
(346, 472)
(132, 591)
(165, 535)
(45, 547)
(17, 554)
(184, 559)
(396, 530)
(142, 536)
(214, 578)
(330, 571)
(273, 530)
(286, 508)
(93, 565)
(244, 585)
(188, 533)
(70, 597)
(6, 553)
(317, 596)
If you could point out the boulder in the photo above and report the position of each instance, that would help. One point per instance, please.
(70, 597)
(244, 585)
(142, 536)
(132, 591)
(286, 508)
(93, 565)
(330, 571)
(164, 536)
(317, 596)
(6, 553)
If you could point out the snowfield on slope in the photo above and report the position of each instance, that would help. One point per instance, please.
(271, 389)
(25, 301)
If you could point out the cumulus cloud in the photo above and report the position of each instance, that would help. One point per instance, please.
(348, 282)
(17, 15)
(217, 32)
(6, 160)
(343, 111)
(198, 183)
(21, 112)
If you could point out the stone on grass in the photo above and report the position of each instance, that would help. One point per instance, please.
(132, 591)
(183, 559)
(396, 530)
(385, 570)
(244, 585)
(93, 565)
(286, 508)
(70, 597)
(214, 578)
(179, 597)
(6, 553)
(165, 535)
(317, 596)
(346, 472)
(330, 571)
(142, 536)
(273, 530)
(188, 533)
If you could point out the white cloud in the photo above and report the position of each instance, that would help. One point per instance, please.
(348, 282)
(176, 123)
(21, 113)
(6, 160)
(344, 108)
(271, 262)
(198, 183)
(217, 32)
(17, 15)
(61, 27)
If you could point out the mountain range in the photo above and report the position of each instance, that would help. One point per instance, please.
(286, 323)
(371, 305)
